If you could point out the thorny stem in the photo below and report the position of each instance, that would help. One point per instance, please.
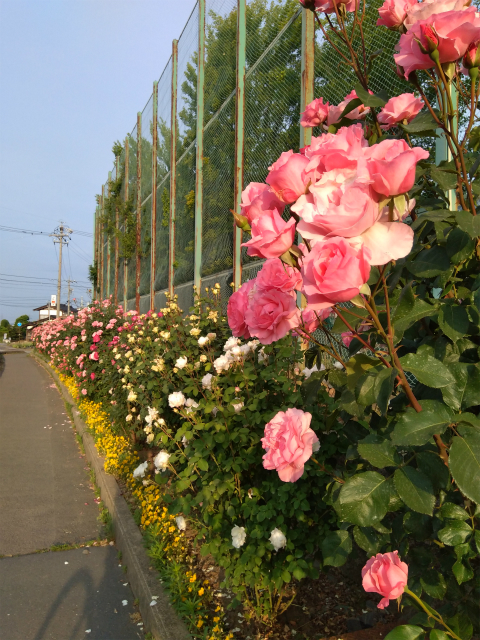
(322, 467)
(365, 344)
(436, 616)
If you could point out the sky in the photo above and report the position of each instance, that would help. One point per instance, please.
(73, 75)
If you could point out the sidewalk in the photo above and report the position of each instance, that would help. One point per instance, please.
(45, 501)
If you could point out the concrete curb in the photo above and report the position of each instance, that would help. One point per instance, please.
(161, 620)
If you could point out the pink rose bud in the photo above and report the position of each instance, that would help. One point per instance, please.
(386, 575)
(471, 59)
(315, 113)
(429, 38)
(92, 376)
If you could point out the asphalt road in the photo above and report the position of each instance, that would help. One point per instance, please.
(46, 500)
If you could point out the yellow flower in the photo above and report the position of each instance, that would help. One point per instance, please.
(201, 591)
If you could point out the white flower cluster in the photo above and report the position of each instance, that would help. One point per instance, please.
(161, 460)
(234, 352)
(140, 470)
(159, 364)
(181, 362)
(191, 405)
(277, 538)
(176, 399)
(132, 396)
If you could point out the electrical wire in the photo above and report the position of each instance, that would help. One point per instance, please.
(33, 232)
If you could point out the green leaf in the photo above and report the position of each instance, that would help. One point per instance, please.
(416, 429)
(432, 216)
(415, 489)
(368, 540)
(461, 626)
(453, 511)
(459, 246)
(404, 317)
(445, 179)
(427, 369)
(433, 466)
(433, 583)
(465, 392)
(454, 533)
(405, 631)
(468, 223)
(423, 122)
(462, 572)
(376, 387)
(464, 462)
(286, 576)
(357, 366)
(363, 499)
(453, 321)
(353, 104)
(336, 547)
(429, 263)
(378, 451)
(367, 99)
(437, 634)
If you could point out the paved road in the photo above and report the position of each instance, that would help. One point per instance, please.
(46, 499)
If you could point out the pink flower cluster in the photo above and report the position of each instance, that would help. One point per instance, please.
(338, 186)
(289, 442)
(448, 27)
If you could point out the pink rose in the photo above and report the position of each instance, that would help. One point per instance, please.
(333, 272)
(286, 176)
(424, 10)
(343, 150)
(276, 275)
(271, 315)
(257, 199)
(92, 376)
(453, 31)
(339, 204)
(93, 355)
(315, 113)
(328, 6)
(311, 319)
(403, 107)
(289, 442)
(385, 241)
(84, 392)
(360, 113)
(393, 12)
(236, 308)
(391, 165)
(386, 575)
(271, 235)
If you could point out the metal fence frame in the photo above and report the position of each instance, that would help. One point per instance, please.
(102, 252)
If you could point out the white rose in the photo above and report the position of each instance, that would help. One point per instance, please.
(128, 354)
(277, 539)
(191, 404)
(236, 351)
(132, 396)
(238, 406)
(184, 441)
(195, 331)
(202, 341)
(211, 336)
(230, 343)
(161, 460)
(181, 523)
(150, 438)
(176, 399)
(181, 362)
(207, 381)
(222, 364)
(140, 470)
(129, 417)
(262, 357)
(238, 537)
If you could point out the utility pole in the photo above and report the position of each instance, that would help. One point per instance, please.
(70, 291)
(61, 236)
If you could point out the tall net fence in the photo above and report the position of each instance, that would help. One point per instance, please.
(201, 249)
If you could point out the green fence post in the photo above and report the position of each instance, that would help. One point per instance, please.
(102, 248)
(95, 250)
(115, 289)
(308, 70)
(125, 261)
(239, 137)
(138, 242)
(153, 228)
(109, 257)
(199, 142)
(173, 168)
(442, 152)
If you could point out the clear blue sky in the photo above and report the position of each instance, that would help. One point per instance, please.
(73, 75)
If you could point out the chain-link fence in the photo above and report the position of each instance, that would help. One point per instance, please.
(186, 227)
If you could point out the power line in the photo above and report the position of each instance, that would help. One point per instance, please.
(33, 232)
